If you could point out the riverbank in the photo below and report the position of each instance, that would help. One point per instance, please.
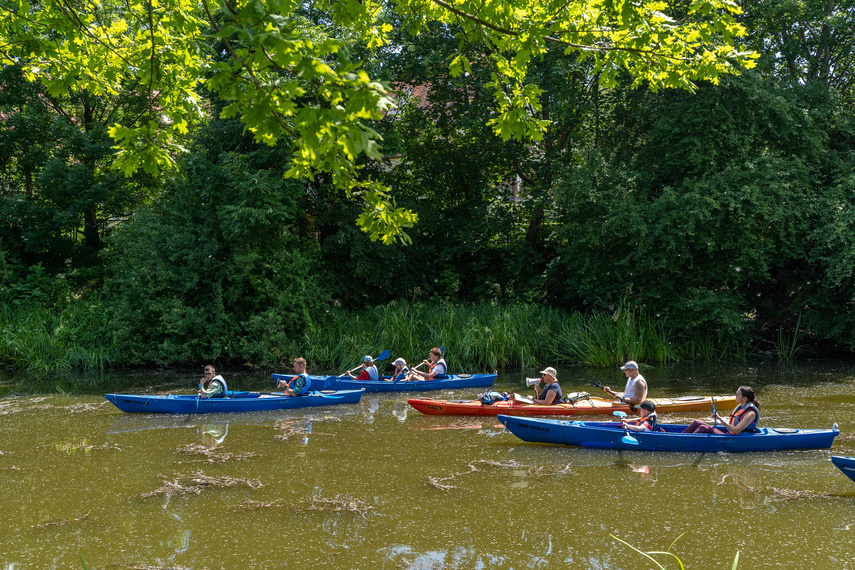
(484, 336)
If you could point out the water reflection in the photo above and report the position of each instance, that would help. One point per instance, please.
(212, 435)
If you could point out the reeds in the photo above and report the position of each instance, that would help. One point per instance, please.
(490, 336)
(42, 340)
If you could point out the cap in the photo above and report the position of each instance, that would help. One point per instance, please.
(367, 359)
(648, 405)
(399, 362)
(551, 371)
(630, 365)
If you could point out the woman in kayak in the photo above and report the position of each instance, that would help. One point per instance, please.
(212, 385)
(438, 368)
(551, 390)
(744, 416)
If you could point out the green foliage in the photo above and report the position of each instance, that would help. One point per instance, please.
(287, 77)
(489, 336)
(76, 337)
(214, 271)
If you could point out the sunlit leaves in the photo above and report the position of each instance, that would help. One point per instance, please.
(288, 79)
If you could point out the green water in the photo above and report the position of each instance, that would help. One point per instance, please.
(378, 485)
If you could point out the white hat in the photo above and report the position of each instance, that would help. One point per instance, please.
(630, 365)
(399, 362)
(368, 359)
(551, 371)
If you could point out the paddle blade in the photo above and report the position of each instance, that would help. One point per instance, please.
(629, 439)
(619, 413)
(383, 355)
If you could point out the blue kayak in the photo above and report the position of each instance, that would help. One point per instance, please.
(610, 435)
(387, 385)
(845, 464)
(236, 402)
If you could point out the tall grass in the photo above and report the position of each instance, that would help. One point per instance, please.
(43, 340)
(489, 336)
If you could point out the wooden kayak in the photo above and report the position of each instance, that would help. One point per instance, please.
(668, 437)
(236, 402)
(454, 381)
(588, 406)
(845, 464)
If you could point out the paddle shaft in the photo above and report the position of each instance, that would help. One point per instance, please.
(632, 407)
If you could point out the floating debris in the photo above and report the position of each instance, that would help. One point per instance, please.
(85, 407)
(212, 455)
(337, 504)
(301, 427)
(790, 494)
(194, 484)
(60, 522)
(250, 505)
(73, 447)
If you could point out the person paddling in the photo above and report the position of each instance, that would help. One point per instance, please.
(744, 417)
(438, 368)
(636, 386)
(647, 419)
(212, 385)
(299, 384)
(551, 390)
(369, 371)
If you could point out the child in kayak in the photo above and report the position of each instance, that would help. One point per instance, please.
(647, 418)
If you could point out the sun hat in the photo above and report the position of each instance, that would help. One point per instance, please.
(551, 371)
(367, 359)
(399, 362)
(630, 365)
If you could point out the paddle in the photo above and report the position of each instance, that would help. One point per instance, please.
(382, 356)
(441, 352)
(632, 407)
(627, 438)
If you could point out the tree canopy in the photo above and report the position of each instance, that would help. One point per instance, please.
(288, 76)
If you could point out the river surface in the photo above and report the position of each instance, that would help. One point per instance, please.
(378, 485)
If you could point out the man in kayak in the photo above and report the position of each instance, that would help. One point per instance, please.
(551, 390)
(299, 384)
(369, 371)
(438, 368)
(212, 385)
(635, 391)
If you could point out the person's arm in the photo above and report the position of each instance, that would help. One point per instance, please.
(548, 397)
(749, 417)
(632, 427)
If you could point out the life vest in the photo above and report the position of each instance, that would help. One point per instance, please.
(443, 372)
(650, 421)
(222, 381)
(740, 411)
(373, 373)
(294, 381)
(402, 374)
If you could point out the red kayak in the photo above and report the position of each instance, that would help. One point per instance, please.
(520, 406)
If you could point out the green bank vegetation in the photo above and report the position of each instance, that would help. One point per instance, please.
(612, 217)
